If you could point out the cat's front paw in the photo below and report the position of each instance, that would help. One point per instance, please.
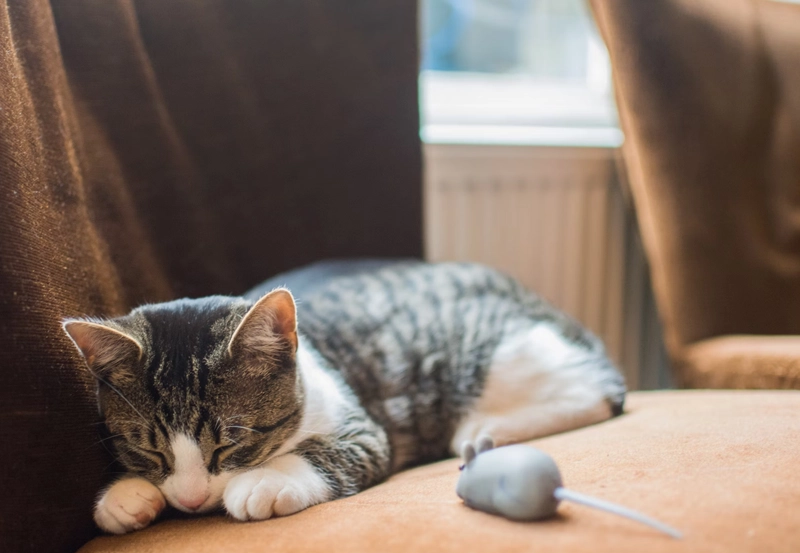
(285, 486)
(129, 504)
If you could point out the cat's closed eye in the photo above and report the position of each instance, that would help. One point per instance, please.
(147, 461)
(215, 456)
(162, 459)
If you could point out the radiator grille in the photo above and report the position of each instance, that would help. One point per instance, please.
(554, 219)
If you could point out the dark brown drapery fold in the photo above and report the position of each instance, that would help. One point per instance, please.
(154, 149)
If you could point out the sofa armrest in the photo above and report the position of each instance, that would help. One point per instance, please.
(743, 361)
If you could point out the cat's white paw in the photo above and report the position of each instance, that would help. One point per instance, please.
(284, 486)
(129, 504)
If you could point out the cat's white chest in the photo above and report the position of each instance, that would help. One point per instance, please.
(323, 400)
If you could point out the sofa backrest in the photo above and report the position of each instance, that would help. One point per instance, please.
(165, 148)
(709, 100)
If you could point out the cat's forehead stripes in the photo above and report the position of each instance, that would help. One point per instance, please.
(186, 336)
(185, 342)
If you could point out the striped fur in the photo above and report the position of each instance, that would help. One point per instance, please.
(217, 403)
(415, 342)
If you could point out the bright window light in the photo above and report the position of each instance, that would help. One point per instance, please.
(536, 68)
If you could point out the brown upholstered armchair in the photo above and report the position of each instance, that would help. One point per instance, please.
(709, 100)
(151, 149)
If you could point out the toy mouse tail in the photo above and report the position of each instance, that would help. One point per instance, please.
(563, 494)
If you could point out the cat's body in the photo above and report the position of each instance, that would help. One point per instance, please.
(218, 402)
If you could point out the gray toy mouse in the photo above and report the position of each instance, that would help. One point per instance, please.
(523, 483)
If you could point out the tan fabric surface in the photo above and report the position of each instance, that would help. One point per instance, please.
(708, 93)
(721, 466)
(745, 362)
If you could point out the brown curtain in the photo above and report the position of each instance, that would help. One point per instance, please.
(153, 149)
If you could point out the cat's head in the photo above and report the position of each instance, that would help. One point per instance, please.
(193, 391)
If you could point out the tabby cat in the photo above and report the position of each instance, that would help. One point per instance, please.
(220, 402)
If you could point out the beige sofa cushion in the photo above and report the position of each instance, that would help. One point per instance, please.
(724, 467)
(745, 361)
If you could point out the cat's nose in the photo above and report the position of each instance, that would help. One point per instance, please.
(192, 502)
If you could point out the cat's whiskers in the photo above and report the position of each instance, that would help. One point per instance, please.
(226, 419)
(246, 428)
(139, 423)
(310, 432)
(105, 439)
(136, 423)
(132, 422)
(117, 458)
(123, 397)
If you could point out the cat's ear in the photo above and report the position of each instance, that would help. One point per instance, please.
(273, 316)
(105, 349)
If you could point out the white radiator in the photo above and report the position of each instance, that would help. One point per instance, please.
(554, 219)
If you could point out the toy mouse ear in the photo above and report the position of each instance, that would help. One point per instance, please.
(485, 443)
(467, 452)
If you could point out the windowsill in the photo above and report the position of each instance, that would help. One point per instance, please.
(515, 110)
(508, 135)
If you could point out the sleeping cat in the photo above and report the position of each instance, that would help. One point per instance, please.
(220, 402)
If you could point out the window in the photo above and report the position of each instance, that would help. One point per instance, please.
(514, 71)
